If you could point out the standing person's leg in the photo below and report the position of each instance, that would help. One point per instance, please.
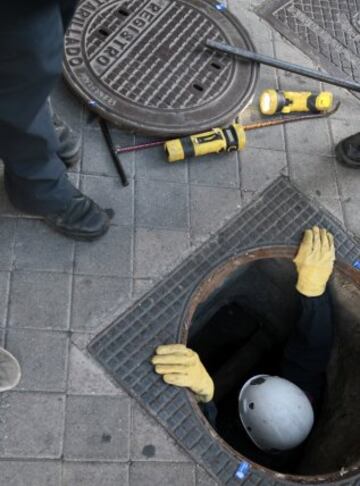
(67, 8)
(70, 143)
(31, 45)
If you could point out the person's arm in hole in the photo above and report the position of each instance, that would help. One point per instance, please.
(308, 350)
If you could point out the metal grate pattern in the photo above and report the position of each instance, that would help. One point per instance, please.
(144, 59)
(278, 217)
(328, 31)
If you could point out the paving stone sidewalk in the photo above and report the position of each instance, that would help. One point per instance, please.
(67, 424)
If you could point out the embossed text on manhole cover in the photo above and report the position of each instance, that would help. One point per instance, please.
(143, 64)
(327, 30)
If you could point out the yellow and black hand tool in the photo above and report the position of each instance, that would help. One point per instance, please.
(273, 101)
(212, 142)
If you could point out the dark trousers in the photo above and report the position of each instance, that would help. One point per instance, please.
(31, 50)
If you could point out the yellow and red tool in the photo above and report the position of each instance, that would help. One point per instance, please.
(218, 140)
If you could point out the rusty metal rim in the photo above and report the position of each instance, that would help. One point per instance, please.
(208, 284)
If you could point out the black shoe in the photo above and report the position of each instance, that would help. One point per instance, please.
(83, 219)
(348, 151)
(70, 143)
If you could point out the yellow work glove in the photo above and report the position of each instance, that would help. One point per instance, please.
(315, 262)
(181, 366)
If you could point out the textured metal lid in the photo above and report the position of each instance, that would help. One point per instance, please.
(143, 65)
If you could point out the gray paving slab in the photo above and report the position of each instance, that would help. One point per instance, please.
(309, 137)
(98, 474)
(352, 216)
(157, 251)
(42, 356)
(150, 442)
(258, 167)
(4, 296)
(152, 164)
(213, 170)
(348, 181)
(32, 425)
(95, 298)
(37, 247)
(30, 473)
(161, 204)
(7, 231)
(211, 207)
(81, 339)
(97, 428)
(141, 286)
(86, 377)
(160, 474)
(109, 256)
(40, 300)
(260, 31)
(314, 174)
(247, 197)
(267, 138)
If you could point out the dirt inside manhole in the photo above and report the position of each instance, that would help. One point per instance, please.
(258, 291)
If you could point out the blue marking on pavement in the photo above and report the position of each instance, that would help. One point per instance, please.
(356, 264)
(221, 5)
(243, 470)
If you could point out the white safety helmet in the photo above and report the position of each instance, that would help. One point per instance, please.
(276, 414)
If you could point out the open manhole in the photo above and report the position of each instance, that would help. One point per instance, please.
(258, 291)
(143, 64)
(254, 248)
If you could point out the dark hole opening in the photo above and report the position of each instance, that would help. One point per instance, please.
(198, 87)
(104, 32)
(216, 65)
(261, 298)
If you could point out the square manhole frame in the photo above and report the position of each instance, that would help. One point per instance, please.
(278, 218)
(266, 11)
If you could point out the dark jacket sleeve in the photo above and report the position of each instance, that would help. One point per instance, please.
(210, 411)
(308, 350)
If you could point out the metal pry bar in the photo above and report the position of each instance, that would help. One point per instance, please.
(109, 142)
(286, 66)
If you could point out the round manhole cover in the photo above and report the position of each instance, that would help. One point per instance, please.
(143, 64)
